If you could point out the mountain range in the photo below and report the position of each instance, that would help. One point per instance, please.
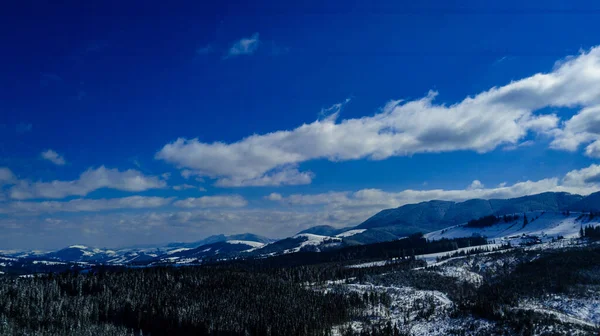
(386, 225)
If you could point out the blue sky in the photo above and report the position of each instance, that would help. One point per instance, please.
(124, 125)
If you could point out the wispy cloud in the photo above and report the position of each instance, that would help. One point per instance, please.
(6, 176)
(183, 187)
(227, 201)
(244, 46)
(23, 127)
(85, 205)
(500, 116)
(90, 180)
(167, 220)
(53, 157)
(527, 143)
(583, 181)
(205, 50)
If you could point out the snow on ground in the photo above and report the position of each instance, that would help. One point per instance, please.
(246, 242)
(370, 264)
(27, 276)
(432, 258)
(546, 226)
(448, 326)
(178, 250)
(575, 310)
(407, 311)
(312, 240)
(350, 233)
(461, 274)
(46, 262)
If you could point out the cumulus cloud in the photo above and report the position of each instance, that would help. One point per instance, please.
(277, 177)
(194, 218)
(593, 150)
(227, 201)
(90, 180)
(583, 182)
(500, 116)
(476, 184)
(583, 177)
(83, 205)
(244, 46)
(583, 127)
(274, 197)
(53, 157)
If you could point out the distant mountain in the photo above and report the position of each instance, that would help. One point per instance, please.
(79, 253)
(369, 236)
(589, 203)
(322, 230)
(387, 225)
(221, 238)
(301, 242)
(222, 249)
(251, 237)
(435, 215)
(541, 227)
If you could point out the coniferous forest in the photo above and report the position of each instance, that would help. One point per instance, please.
(294, 295)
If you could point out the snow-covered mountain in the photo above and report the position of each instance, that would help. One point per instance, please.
(550, 215)
(435, 215)
(75, 253)
(214, 251)
(221, 238)
(541, 227)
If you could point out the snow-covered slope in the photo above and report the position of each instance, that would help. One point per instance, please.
(246, 242)
(350, 233)
(542, 225)
(313, 242)
(80, 253)
(220, 250)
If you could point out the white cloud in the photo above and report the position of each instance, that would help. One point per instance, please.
(476, 184)
(274, 197)
(584, 127)
(183, 187)
(6, 176)
(90, 180)
(53, 157)
(583, 182)
(199, 217)
(527, 143)
(284, 176)
(82, 205)
(244, 46)
(227, 201)
(501, 116)
(583, 177)
(593, 149)
(186, 173)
